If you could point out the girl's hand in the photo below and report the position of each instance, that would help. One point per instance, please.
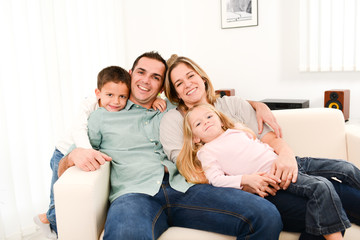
(261, 184)
(159, 104)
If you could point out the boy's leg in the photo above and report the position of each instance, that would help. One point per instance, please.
(324, 211)
(54, 164)
(225, 210)
(136, 216)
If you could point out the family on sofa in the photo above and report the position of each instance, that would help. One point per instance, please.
(147, 189)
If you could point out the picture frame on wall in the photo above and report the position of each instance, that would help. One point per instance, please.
(239, 13)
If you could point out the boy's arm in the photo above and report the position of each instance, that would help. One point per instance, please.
(80, 125)
(159, 104)
(87, 159)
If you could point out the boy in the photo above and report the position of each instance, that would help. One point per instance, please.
(113, 89)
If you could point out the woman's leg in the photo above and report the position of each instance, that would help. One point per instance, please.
(227, 211)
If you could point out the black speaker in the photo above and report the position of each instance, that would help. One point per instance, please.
(226, 92)
(338, 99)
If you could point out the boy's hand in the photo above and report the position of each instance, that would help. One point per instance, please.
(159, 104)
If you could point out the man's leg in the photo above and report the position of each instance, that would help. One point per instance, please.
(136, 216)
(225, 210)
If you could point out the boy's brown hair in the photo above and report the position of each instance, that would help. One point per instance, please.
(113, 74)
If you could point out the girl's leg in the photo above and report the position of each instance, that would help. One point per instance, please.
(343, 171)
(324, 212)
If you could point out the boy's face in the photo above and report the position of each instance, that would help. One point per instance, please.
(113, 96)
(146, 81)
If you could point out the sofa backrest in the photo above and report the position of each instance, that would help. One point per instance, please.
(314, 132)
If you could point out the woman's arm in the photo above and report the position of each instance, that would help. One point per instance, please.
(264, 115)
(285, 166)
(171, 134)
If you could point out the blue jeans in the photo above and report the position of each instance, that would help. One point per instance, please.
(54, 164)
(222, 210)
(291, 207)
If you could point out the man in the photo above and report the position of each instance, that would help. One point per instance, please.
(147, 193)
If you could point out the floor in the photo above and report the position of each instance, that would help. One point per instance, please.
(35, 236)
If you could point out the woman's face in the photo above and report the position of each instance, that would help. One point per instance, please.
(190, 87)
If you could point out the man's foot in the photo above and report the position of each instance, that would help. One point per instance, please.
(45, 227)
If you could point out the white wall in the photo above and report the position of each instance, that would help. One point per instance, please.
(259, 62)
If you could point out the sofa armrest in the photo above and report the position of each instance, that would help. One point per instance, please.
(353, 144)
(81, 203)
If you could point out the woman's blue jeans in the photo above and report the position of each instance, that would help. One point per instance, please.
(54, 164)
(222, 210)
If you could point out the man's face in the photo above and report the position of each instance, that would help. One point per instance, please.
(146, 81)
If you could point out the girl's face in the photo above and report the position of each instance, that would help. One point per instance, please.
(190, 87)
(205, 125)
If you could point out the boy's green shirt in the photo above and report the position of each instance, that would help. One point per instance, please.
(131, 138)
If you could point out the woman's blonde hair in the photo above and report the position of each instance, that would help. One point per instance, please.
(169, 87)
(187, 162)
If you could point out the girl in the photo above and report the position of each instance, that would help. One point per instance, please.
(225, 154)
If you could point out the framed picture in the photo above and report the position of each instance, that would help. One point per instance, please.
(239, 13)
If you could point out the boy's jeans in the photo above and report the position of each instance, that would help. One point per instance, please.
(223, 210)
(54, 164)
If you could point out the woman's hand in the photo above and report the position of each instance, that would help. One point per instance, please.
(264, 115)
(261, 184)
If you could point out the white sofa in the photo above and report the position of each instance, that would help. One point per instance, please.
(81, 197)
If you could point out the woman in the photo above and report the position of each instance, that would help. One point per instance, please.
(187, 84)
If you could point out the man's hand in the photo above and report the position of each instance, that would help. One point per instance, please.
(85, 159)
(264, 115)
(261, 184)
(88, 159)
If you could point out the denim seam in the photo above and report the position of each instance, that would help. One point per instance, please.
(155, 220)
(251, 229)
(339, 173)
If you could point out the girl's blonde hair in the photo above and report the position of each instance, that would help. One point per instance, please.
(187, 162)
(169, 87)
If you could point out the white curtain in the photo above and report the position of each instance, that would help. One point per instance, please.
(50, 53)
(329, 35)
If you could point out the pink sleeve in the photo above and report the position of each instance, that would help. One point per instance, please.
(215, 174)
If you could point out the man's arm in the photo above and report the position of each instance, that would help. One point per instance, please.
(264, 115)
(85, 159)
(285, 166)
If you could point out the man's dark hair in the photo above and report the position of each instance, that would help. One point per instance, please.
(152, 55)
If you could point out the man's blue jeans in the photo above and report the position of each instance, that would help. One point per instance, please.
(54, 164)
(222, 210)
